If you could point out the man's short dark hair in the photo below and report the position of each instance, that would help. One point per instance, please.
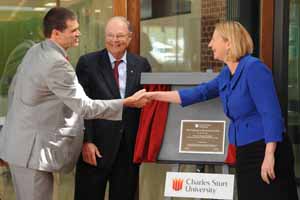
(56, 18)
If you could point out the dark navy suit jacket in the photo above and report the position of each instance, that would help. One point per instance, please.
(95, 74)
(249, 99)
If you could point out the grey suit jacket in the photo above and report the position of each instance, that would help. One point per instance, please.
(44, 124)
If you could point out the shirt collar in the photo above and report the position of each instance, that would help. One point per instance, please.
(112, 59)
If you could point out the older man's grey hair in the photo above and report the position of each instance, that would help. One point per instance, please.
(122, 19)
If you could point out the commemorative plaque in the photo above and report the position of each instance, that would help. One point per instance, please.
(201, 136)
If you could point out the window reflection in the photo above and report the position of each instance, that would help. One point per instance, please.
(20, 28)
(167, 44)
(92, 16)
(179, 34)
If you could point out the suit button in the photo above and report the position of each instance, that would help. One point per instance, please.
(121, 130)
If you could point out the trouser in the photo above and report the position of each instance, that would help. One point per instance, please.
(90, 181)
(250, 184)
(31, 184)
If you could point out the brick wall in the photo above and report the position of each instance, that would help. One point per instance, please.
(212, 11)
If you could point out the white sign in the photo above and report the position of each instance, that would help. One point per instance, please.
(199, 185)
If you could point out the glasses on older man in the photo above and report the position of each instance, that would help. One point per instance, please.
(117, 36)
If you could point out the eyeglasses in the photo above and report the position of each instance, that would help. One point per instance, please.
(118, 36)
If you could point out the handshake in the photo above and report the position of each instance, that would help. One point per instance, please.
(138, 99)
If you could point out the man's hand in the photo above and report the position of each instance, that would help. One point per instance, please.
(138, 99)
(89, 153)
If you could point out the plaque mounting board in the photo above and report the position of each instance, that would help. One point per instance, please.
(209, 110)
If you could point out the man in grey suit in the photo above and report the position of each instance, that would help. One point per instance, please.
(44, 125)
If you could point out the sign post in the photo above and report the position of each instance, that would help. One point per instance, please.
(196, 134)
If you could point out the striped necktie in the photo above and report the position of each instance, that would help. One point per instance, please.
(116, 71)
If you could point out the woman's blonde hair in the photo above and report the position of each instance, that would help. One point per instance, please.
(239, 38)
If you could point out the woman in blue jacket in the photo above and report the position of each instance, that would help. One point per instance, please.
(264, 168)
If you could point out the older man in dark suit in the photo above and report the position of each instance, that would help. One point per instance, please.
(108, 147)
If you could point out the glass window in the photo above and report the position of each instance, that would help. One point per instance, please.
(20, 28)
(294, 81)
(92, 17)
(175, 34)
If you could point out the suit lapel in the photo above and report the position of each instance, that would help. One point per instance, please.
(131, 76)
(105, 69)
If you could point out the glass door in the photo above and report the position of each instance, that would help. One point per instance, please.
(20, 28)
(294, 81)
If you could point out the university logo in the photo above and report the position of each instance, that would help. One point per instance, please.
(177, 184)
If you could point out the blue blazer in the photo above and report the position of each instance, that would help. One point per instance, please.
(249, 100)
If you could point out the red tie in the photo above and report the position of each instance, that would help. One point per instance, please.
(116, 71)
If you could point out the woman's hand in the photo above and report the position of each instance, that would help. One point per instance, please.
(268, 165)
(166, 96)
